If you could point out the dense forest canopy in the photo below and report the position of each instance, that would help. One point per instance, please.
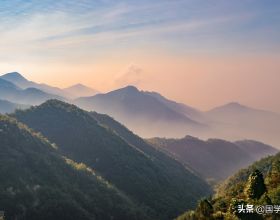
(153, 180)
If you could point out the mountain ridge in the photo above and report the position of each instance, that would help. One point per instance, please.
(23, 83)
(139, 110)
(80, 90)
(215, 158)
(149, 114)
(147, 180)
(38, 183)
(29, 96)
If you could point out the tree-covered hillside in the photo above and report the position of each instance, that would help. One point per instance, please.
(38, 183)
(136, 171)
(172, 166)
(258, 185)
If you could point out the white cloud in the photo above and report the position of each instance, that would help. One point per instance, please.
(131, 76)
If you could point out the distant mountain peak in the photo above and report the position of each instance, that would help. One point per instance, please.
(80, 90)
(126, 90)
(232, 106)
(78, 85)
(55, 102)
(188, 137)
(13, 76)
(235, 105)
(130, 88)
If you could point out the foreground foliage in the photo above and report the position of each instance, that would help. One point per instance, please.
(258, 185)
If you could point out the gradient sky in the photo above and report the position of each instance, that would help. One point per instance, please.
(200, 52)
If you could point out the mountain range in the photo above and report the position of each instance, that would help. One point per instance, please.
(234, 121)
(28, 96)
(68, 93)
(86, 165)
(155, 181)
(21, 82)
(82, 164)
(149, 114)
(214, 159)
(145, 114)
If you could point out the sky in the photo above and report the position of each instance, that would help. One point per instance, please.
(200, 52)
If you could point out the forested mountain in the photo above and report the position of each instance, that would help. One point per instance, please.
(38, 183)
(139, 172)
(170, 165)
(140, 111)
(214, 159)
(130, 137)
(257, 185)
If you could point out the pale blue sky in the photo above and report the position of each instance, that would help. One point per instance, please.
(179, 25)
(97, 41)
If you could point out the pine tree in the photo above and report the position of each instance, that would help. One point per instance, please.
(255, 186)
(205, 209)
(274, 175)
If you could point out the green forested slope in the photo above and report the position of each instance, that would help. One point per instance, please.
(257, 185)
(136, 171)
(37, 183)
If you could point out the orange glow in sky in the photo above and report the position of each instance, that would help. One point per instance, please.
(203, 54)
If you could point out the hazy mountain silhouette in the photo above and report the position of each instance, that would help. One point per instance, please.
(23, 83)
(29, 96)
(4, 84)
(18, 80)
(154, 181)
(38, 183)
(214, 158)
(9, 107)
(235, 121)
(142, 112)
(178, 107)
(256, 149)
(231, 108)
(149, 114)
(80, 90)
